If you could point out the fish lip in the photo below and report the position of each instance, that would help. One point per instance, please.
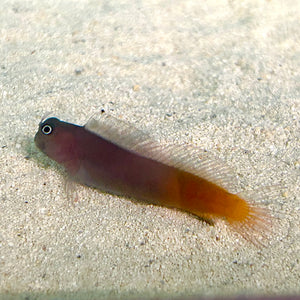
(40, 144)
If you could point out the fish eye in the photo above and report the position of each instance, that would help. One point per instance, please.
(46, 129)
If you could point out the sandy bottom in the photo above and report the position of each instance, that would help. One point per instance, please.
(223, 77)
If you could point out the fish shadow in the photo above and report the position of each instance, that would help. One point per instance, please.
(32, 153)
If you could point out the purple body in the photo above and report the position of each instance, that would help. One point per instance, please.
(97, 162)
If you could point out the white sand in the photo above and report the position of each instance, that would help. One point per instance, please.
(222, 75)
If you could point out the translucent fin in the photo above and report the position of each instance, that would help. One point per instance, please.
(121, 133)
(71, 191)
(265, 223)
(257, 227)
(201, 163)
(184, 157)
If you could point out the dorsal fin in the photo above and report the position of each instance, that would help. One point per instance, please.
(203, 164)
(120, 133)
(184, 157)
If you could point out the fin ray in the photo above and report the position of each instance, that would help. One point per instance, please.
(184, 157)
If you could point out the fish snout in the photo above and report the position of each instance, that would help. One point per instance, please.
(39, 142)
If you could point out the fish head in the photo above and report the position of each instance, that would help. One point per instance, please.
(56, 139)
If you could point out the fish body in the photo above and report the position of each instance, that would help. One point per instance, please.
(98, 162)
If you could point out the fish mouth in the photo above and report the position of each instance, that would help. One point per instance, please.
(39, 143)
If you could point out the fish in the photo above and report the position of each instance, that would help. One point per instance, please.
(115, 157)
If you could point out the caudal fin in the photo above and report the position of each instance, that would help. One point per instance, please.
(260, 226)
(257, 226)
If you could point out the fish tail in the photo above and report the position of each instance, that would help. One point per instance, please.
(253, 223)
(209, 201)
